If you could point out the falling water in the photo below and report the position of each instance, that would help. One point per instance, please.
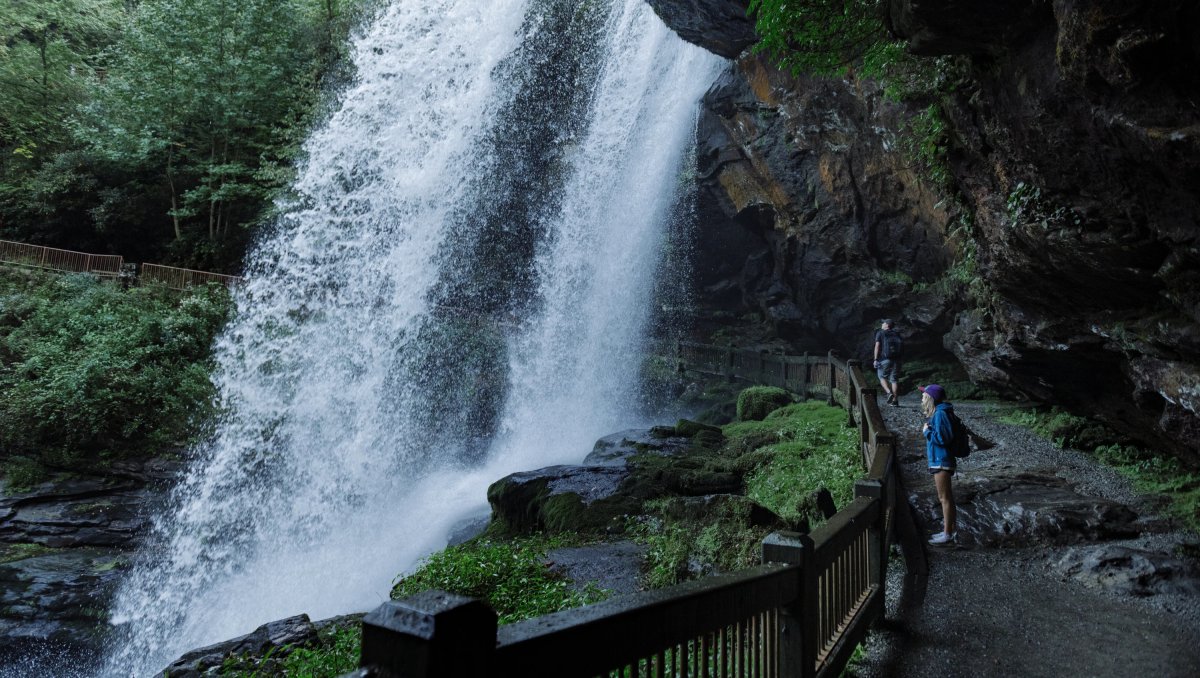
(460, 289)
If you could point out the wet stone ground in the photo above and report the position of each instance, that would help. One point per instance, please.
(1061, 569)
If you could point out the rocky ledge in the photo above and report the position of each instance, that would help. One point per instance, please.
(63, 545)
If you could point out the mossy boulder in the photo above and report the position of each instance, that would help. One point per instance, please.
(619, 447)
(756, 402)
(687, 428)
(560, 499)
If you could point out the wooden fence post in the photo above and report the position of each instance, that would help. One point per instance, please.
(832, 380)
(851, 394)
(876, 539)
(804, 379)
(798, 620)
(431, 634)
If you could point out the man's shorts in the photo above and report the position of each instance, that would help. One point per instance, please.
(889, 370)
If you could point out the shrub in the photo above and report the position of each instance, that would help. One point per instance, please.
(756, 402)
(90, 370)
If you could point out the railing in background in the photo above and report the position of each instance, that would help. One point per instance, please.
(53, 259)
(105, 266)
(183, 278)
(798, 616)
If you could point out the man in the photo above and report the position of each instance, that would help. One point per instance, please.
(887, 361)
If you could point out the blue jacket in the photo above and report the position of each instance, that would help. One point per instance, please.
(937, 439)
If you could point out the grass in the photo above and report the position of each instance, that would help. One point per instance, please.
(812, 448)
(1150, 473)
(512, 576)
(335, 653)
(793, 452)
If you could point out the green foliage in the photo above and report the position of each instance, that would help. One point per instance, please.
(512, 576)
(681, 548)
(117, 118)
(335, 653)
(925, 142)
(89, 369)
(756, 402)
(1153, 474)
(819, 36)
(812, 448)
(1062, 428)
(1027, 206)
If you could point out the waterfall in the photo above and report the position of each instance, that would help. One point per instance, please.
(459, 289)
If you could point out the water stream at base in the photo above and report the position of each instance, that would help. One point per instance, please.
(459, 290)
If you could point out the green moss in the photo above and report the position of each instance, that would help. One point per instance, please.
(335, 652)
(688, 428)
(683, 544)
(511, 576)
(756, 402)
(11, 553)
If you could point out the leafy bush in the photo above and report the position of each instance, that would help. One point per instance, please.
(87, 369)
(819, 36)
(756, 402)
(511, 576)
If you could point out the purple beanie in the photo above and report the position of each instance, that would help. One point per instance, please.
(936, 392)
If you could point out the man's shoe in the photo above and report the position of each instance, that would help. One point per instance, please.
(891, 399)
(895, 401)
(942, 538)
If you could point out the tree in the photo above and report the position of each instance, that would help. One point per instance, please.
(207, 89)
(46, 50)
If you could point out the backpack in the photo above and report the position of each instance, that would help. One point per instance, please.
(960, 437)
(891, 345)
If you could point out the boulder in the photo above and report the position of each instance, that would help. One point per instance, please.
(1028, 508)
(276, 637)
(1129, 571)
(720, 26)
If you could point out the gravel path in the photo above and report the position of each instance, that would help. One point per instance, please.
(991, 611)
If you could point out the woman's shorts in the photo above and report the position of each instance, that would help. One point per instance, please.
(935, 471)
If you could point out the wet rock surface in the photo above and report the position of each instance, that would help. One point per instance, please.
(614, 566)
(63, 545)
(277, 638)
(1064, 570)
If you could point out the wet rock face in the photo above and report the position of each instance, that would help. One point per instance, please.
(1074, 146)
(809, 213)
(720, 26)
(276, 638)
(63, 545)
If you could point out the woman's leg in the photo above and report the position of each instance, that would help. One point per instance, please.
(941, 480)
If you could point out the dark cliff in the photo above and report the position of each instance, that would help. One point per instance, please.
(1058, 254)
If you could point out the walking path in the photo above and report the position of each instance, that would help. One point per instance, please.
(1060, 569)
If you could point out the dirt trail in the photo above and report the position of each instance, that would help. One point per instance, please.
(1006, 601)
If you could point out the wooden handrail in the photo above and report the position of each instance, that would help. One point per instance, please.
(104, 265)
(799, 619)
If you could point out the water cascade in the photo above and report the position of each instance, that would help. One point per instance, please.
(460, 289)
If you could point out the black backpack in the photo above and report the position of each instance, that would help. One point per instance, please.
(891, 345)
(960, 437)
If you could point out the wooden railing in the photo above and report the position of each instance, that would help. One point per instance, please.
(52, 259)
(183, 278)
(105, 266)
(799, 615)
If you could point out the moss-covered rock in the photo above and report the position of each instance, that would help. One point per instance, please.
(756, 402)
(687, 428)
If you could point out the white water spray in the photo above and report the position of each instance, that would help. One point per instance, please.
(322, 481)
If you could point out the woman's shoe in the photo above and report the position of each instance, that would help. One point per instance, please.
(942, 538)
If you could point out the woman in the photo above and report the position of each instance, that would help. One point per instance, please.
(938, 434)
